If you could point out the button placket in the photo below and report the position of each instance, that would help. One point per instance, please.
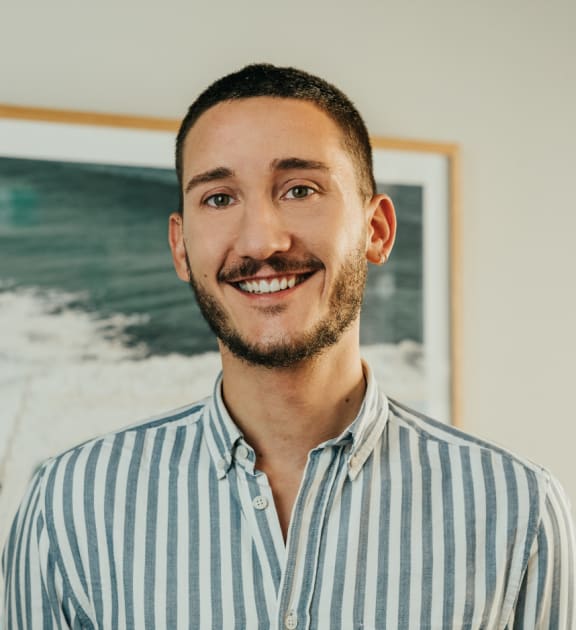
(330, 465)
(262, 524)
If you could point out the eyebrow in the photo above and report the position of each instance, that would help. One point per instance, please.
(284, 164)
(221, 172)
(287, 164)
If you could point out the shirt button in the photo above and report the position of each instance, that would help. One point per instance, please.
(260, 503)
(222, 464)
(291, 620)
(241, 452)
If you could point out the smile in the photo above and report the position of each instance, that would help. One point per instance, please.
(273, 285)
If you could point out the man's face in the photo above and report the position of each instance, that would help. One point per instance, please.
(274, 234)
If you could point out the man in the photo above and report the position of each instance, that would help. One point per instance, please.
(297, 495)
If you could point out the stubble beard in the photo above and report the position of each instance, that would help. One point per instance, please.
(344, 307)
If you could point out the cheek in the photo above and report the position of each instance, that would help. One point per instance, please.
(341, 244)
(206, 254)
(207, 231)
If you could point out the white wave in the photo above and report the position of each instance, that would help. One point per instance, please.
(66, 376)
(40, 326)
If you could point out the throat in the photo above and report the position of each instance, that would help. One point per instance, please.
(285, 413)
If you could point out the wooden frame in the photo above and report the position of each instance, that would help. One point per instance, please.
(167, 127)
(450, 153)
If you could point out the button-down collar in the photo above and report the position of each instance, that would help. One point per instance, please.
(225, 439)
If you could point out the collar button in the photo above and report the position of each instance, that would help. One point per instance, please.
(241, 452)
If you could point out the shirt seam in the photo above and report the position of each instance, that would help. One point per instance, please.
(173, 420)
(54, 549)
(513, 594)
(472, 444)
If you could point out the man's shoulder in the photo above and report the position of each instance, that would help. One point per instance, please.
(459, 443)
(135, 435)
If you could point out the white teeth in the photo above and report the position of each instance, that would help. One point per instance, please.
(264, 286)
(275, 285)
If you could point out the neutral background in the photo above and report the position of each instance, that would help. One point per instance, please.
(498, 78)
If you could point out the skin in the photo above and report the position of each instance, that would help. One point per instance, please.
(255, 206)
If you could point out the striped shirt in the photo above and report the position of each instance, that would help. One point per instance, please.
(400, 522)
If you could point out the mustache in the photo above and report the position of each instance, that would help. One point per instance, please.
(280, 264)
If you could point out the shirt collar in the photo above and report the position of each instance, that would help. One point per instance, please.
(366, 429)
(223, 436)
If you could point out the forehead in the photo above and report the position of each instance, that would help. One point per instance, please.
(263, 128)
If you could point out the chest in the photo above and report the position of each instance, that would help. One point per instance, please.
(380, 550)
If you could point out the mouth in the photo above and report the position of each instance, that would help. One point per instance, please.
(277, 284)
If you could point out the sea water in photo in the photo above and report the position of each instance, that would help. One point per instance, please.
(97, 331)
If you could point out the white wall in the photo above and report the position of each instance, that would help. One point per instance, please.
(498, 78)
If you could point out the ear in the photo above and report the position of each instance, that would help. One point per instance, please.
(177, 245)
(381, 229)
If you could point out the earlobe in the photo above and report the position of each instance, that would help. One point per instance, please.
(381, 229)
(177, 245)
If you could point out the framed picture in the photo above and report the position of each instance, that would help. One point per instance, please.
(413, 300)
(97, 330)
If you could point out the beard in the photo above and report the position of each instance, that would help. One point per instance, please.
(345, 302)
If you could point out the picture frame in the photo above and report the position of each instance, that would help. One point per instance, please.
(434, 168)
(431, 167)
(68, 373)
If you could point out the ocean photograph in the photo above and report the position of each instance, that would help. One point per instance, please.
(97, 234)
(98, 332)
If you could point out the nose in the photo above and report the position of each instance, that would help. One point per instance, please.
(262, 231)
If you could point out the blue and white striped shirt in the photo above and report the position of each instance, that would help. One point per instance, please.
(401, 522)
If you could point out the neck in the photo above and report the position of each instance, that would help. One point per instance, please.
(284, 413)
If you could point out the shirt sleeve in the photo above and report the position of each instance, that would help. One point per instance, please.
(34, 593)
(546, 598)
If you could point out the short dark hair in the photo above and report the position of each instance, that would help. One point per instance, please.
(267, 80)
